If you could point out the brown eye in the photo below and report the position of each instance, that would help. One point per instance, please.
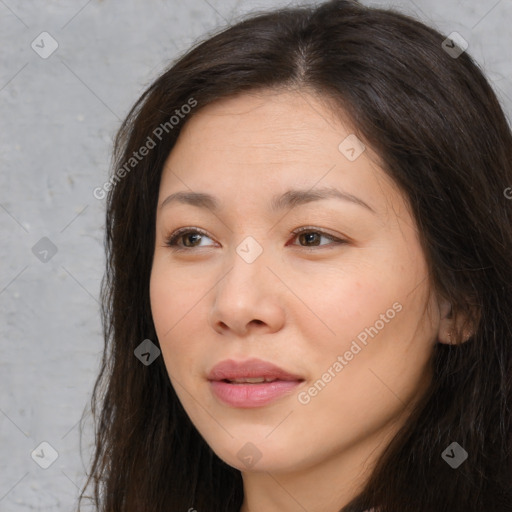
(308, 238)
(188, 235)
(311, 237)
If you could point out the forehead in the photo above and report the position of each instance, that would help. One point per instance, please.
(271, 140)
(269, 121)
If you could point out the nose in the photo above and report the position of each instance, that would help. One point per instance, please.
(248, 299)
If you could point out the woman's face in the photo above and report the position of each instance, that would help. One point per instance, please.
(344, 317)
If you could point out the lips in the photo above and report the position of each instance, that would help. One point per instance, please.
(251, 383)
(230, 370)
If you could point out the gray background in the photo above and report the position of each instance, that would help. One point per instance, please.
(59, 115)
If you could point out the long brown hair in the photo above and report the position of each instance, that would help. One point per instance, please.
(444, 139)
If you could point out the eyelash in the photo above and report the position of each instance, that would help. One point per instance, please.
(171, 240)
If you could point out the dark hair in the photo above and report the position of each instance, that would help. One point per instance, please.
(443, 138)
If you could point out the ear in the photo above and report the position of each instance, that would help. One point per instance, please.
(453, 329)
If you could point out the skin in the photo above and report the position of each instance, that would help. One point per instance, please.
(300, 304)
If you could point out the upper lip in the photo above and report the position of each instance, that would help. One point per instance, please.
(250, 368)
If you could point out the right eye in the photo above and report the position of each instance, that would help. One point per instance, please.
(187, 234)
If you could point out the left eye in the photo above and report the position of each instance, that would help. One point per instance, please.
(310, 235)
(307, 235)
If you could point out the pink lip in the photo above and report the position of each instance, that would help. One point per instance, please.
(250, 395)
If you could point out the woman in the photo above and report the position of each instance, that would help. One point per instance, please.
(251, 367)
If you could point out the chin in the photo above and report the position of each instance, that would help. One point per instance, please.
(255, 453)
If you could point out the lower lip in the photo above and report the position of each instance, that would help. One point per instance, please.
(252, 395)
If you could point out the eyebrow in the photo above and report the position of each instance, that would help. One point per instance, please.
(290, 199)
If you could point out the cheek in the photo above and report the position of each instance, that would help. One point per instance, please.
(163, 303)
(167, 307)
(342, 306)
(175, 302)
(374, 322)
(172, 296)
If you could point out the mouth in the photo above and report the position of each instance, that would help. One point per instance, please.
(254, 380)
(251, 383)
